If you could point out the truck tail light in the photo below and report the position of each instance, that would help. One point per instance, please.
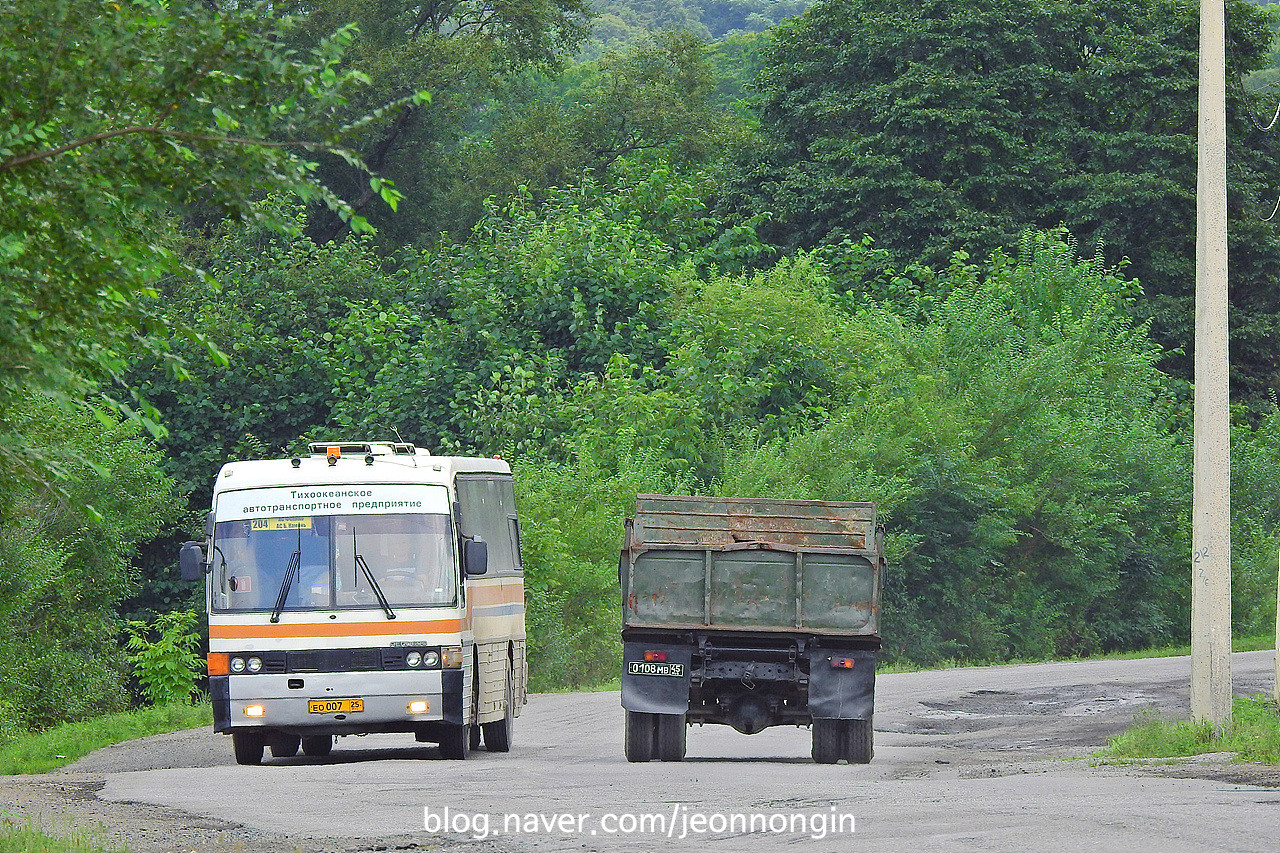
(655, 655)
(842, 663)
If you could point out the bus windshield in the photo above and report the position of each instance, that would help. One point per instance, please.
(409, 556)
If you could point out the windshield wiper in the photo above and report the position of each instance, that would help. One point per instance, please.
(295, 563)
(373, 584)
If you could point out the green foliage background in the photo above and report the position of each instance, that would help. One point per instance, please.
(921, 254)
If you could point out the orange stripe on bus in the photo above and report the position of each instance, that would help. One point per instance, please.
(333, 629)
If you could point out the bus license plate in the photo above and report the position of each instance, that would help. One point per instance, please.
(642, 667)
(335, 706)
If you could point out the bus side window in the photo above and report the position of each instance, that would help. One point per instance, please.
(513, 533)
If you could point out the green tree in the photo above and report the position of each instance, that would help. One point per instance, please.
(942, 126)
(114, 116)
(654, 102)
(64, 570)
(466, 53)
(1024, 449)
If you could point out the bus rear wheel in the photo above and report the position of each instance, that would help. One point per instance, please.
(497, 735)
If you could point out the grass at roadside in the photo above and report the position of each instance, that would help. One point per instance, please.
(61, 745)
(1239, 644)
(23, 838)
(1254, 735)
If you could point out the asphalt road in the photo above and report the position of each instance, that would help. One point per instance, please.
(975, 759)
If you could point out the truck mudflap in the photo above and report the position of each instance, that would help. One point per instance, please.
(655, 678)
(842, 684)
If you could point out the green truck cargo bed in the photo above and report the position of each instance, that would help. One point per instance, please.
(752, 564)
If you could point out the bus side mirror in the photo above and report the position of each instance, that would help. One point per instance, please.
(475, 556)
(191, 561)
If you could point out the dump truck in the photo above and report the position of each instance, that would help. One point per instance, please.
(750, 613)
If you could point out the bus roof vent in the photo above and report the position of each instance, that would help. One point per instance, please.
(365, 448)
(321, 448)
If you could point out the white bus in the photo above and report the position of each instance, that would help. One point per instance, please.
(363, 588)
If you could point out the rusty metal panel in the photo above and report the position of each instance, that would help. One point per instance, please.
(839, 592)
(680, 520)
(667, 587)
(753, 588)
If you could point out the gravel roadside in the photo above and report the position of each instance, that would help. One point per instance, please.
(65, 801)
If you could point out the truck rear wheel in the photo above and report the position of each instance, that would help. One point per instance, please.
(671, 737)
(641, 732)
(248, 747)
(858, 745)
(828, 741)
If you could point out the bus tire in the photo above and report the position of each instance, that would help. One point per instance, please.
(284, 746)
(641, 732)
(828, 741)
(858, 745)
(455, 743)
(497, 735)
(671, 737)
(248, 747)
(317, 746)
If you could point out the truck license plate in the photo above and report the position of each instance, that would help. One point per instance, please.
(335, 706)
(641, 667)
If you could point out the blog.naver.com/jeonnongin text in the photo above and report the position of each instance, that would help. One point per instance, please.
(677, 822)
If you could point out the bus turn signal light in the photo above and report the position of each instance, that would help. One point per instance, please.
(218, 663)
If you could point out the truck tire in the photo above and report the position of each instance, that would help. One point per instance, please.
(641, 732)
(828, 740)
(317, 746)
(248, 747)
(858, 744)
(497, 735)
(284, 746)
(671, 737)
(455, 743)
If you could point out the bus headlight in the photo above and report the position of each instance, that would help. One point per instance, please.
(413, 659)
(430, 658)
(237, 664)
(255, 664)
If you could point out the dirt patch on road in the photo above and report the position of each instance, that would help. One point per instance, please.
(1000, 730)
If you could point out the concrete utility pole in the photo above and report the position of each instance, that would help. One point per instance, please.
(1211, 501)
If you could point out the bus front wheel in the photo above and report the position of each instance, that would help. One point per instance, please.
(248, 747)
(455, 743)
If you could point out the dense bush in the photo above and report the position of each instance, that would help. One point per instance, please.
(64, 564)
